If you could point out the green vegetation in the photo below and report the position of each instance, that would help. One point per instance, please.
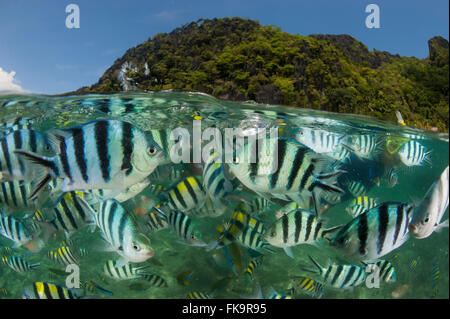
(239, 59)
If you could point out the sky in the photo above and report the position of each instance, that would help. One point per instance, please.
(39, 54)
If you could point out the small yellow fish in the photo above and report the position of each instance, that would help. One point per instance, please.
(183, 278)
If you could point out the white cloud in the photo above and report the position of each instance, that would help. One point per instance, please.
(167, 15)
(8, 83)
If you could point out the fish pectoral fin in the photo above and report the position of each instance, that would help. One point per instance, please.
(441, 226)
(288, 251)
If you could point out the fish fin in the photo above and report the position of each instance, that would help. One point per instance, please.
(120, 262)
(327, 188)
(327, 232)
(45, 170)
(441, 226)
(4, 176)
(288, 251)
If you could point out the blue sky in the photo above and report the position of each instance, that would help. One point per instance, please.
(41, 55)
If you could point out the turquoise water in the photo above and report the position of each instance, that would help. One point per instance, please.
(413, 261)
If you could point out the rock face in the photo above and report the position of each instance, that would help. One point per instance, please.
(239, 59)
(438, 47)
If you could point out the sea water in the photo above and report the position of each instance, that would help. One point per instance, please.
(211, 273)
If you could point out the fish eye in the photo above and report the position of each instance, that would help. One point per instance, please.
(47, 147)
(235, 160)
(272, 234)
(152, 150)
(136, 247)
(341, 241)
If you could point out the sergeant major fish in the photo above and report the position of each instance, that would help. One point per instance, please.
(102, 154)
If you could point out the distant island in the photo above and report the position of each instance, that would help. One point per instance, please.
(239, 59)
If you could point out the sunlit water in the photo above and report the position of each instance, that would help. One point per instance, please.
(413, 261)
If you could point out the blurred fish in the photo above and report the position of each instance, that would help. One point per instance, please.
(340, 276)
(46, 290)
(386, 270)
(16, 231)
(18, 264)
(366, 202)
(154, 221)
(307, 285)
(14, 196)
(356, 210)
(184, 277)
(272, 294)
(252, 266)
(4, 292)
(391, 177)
(98, 195)
(400, 291)
(58, 271)
(435, 275)
(356, 188)
(365, 146)
(128, 271)
(154, 280)
(66, 256)
(199, 295)
(209, 209)
(139, 286)
(93, 287)
(320, 141)
(214, 180)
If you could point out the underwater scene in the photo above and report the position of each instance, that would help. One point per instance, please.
(122, 196)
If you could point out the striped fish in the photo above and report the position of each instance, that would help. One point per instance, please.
(297, 227)
(70, 214)
(356, 188)
(155, 222)
(16, 231)
(332, 198)
(367, 202)
(187, 194)
(340, 154)
(435, 275)
(307, 285)
(46, 290)
(413, 153)
(166, 173)
(376, 232)
(320, 141)
(199, 295)
(272, 294)
(356, 210)
(156, 189)
(121, 231)
(252, 237)
(364, 146)
(18, 123)
(340, 276)
(154, 280)
(15, 196)
(283, 166)
(12, 167)
(386, 271)
(66, 256)
(53, 256)
(184, 227)
(252, 266)
(391, 177)
(19, 264)
(214, 181)
(255, 206)
(128, 271)
(102, 154)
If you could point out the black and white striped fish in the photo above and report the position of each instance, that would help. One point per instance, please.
(320, 141)
(154, 221)
(12, 166)
(19, 123)
(385, 270)
(102, 154)
(154, 280)
(70, 214)
(183, 226)
(413, 153)
(391, 177)
(341, 276)
(356, 210)
(297, 227)
(376, 232)
(364, 146)
(167, 173)
(66, 256)
(187, 194)
(15, 196)
(19, 264)
(128, 271)
(16, 231)
(214, 180)
(255, 206)
(356, 188)
(283, 166)
(120, 229)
